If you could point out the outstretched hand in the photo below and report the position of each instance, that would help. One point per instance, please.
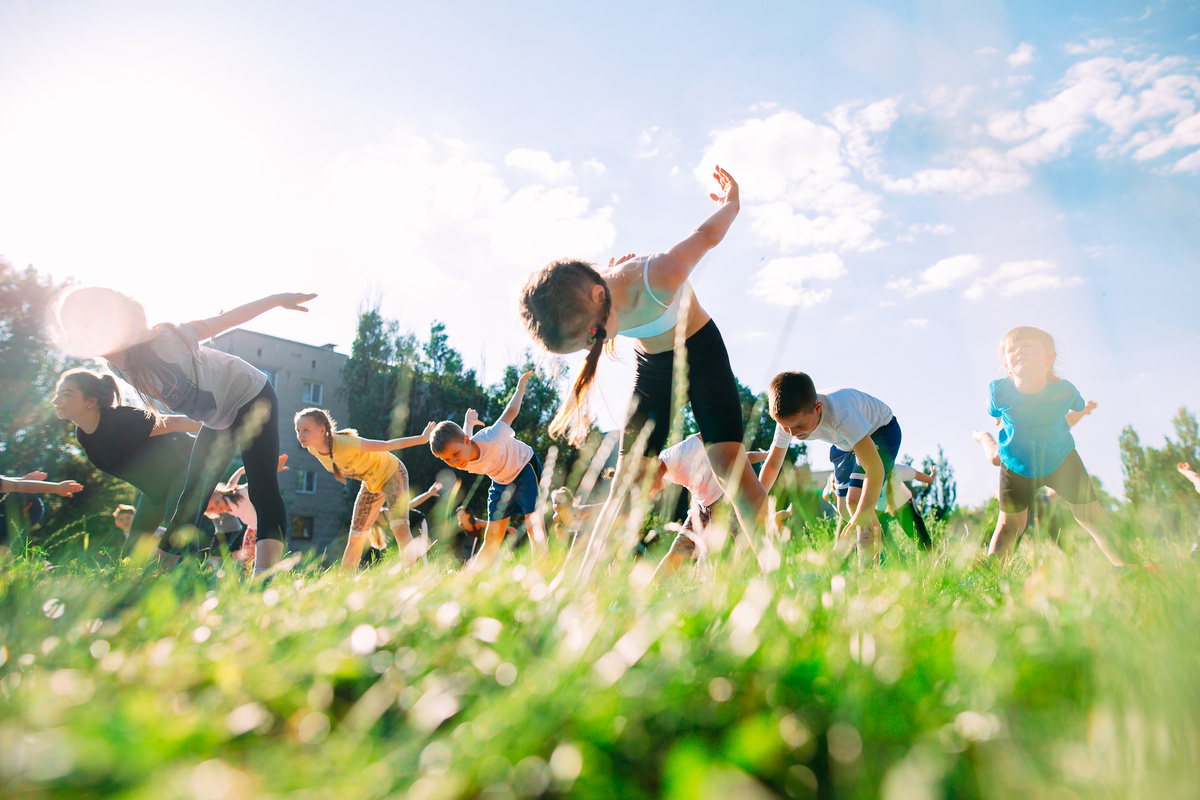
(35, 476)
(729, 188)
(425, 434)
(295, 300)
(68, 488)
(1089, 406)
(616, 262)
(524, 379)
(435, 489)
(472, 417)
(283, 467)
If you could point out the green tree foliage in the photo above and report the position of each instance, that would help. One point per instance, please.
(1152, 482)
(936, 500)
(31, 437)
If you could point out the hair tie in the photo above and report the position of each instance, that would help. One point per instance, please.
(592, 338)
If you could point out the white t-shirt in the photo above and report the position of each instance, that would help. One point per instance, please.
(501, 457)
(847, 415)
(688, 466)
(241, 507)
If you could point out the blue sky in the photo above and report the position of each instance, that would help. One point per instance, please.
(917, 179)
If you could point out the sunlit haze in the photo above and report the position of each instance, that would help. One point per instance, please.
(916, 178)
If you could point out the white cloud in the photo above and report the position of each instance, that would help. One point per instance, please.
(937, 229)
(916, 322)
(1019, 277)
(987, 51)
(942, 275)
(654, 142)
(540, 163)
(1190, 163)
(1092, 46)
(1021, 56)
(594, 166)
(797, 188)
(785, 281)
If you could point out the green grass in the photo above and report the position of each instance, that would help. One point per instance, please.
(933, 676)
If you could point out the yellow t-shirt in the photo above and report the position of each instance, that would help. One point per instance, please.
(372, 468)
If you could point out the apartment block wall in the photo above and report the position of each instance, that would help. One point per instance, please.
(316, 502)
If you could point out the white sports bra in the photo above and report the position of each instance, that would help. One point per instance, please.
(664, 323)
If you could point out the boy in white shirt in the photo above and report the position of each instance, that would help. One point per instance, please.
(865, 439)
(514, 469)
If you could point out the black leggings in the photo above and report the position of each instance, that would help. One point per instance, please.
(255, 431)
(712, 391)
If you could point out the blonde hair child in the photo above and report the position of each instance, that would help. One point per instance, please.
(384, 478)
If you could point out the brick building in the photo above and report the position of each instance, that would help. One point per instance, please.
(303, 375)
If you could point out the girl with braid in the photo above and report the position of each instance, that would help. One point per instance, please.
(384, 478)
(569, 305)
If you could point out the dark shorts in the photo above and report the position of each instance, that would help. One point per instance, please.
(516, 499)
(712, 392)
(848, 472)
(1070, 480)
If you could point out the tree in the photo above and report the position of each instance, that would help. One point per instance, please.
(938, 498)
(1152, 482)
(31, 437)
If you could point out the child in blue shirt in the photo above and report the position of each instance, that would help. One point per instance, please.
(1036, 446)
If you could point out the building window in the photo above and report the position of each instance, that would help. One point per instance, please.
(306, 481)
(314, 393)
(272, 376)
(302, 528)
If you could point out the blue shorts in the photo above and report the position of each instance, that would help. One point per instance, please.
(516, 499)
(848, 472)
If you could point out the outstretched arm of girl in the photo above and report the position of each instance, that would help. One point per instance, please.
(208, 328)
(669, 270)
(1074, 416)
(32, 485)
(175, 423)
(433, 491)
(375, 445)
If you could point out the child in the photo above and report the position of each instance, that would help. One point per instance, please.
(384, 478)
(1036, 447)
(569, 306)
(234, 401)
(864, 436)
(148, 451)
(231, 500)
(514, 469)
(686, 464)
(418, 530)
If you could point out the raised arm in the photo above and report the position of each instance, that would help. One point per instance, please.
(669, 270)
(375, 445)
(926, 478)
(208, 328)
(514, 405)
(470, 421)
(1074, 416)
(175, 423)
(432, 491)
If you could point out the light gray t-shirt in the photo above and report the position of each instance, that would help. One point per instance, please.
(201, 383)
(847, 415)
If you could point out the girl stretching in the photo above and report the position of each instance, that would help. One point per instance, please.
(149, 452)
(570, 305)
(384, 478)
(1036, 446)
(234, 401)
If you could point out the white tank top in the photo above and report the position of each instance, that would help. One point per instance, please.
(666, 321)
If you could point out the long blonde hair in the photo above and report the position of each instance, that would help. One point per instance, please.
(1036, 334)
(554, 307)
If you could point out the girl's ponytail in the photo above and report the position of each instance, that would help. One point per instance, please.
(555, 305)
(100, 387)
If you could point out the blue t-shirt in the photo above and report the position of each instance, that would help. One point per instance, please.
(1035, 438)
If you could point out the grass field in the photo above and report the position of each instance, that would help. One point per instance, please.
(932, 676)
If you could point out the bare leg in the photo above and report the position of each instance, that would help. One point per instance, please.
(493, 535)
(731, 466)
(991, 450)
(1008, 530)
(352, 555)
(536, 527)
(267, 553)
(866, 539)
(1096, 522)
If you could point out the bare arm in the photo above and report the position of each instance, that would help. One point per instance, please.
(868, 458)
(771, 467)
(1074, 416)
(175, 423)
(432, 491)
(470, 421)
(375, 445)
(35, 485)
(208, 328)
(514, 405)
(755, 456)
(925, 478)
(669, 270)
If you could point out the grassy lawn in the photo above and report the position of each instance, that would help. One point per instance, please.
(933, 676)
